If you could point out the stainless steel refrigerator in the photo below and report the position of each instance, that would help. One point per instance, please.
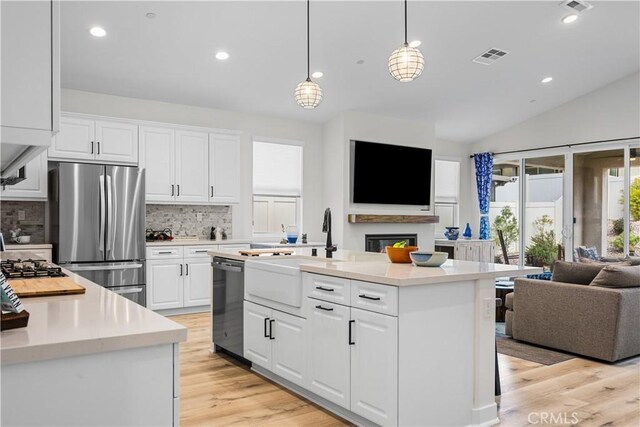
(97, 223)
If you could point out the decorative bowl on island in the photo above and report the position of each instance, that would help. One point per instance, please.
(400, 254)
(428, 259)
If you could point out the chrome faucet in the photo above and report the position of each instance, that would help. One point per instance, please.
(326, 228)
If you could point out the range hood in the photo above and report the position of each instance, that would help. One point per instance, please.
(14, 157)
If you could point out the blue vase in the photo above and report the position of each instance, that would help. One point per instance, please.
(467, 232)
(452, 233)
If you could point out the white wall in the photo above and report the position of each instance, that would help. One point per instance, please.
(251, 125)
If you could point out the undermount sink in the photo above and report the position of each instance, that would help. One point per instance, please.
(275, 278)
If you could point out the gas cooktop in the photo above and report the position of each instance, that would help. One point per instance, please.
(29, 268)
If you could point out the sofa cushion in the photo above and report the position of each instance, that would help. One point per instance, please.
(576, 272)
(508, 301)
(618, 276)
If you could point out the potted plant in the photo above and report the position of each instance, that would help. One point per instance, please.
(543, 249)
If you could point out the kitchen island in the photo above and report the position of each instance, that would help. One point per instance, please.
(375, 342)
(90, 359)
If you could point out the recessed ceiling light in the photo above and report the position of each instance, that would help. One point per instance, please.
(572, 17)
(317, 74)
(150, 15)
(222, 55)
(98, 32)
(415, 43)
(546, 80)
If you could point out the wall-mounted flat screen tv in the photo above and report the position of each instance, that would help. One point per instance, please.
(391, 174)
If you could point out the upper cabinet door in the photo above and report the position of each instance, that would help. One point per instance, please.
(29, 34)
(192, 167)
(116, 142)
(224, 168)
(34, 186)
(157, 156)
(75, 141)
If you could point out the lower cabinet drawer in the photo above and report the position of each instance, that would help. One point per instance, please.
(374, 297)
(326, 288)
(165, 252)
(198, 251)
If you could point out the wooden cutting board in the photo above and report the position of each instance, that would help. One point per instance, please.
(46, 286)
(258, 252)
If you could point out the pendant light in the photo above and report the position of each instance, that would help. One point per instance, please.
(308, 94)
(406, 63)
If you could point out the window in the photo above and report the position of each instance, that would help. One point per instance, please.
(277, 187)
(447, 193)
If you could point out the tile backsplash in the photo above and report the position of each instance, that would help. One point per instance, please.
(32, 224)
(183, 219)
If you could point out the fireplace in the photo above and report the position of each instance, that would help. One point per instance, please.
(377, 242)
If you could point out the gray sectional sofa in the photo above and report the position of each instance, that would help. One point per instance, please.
(589, 309)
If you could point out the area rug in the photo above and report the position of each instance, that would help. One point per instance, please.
(545, 356)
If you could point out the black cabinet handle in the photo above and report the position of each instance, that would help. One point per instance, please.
(324, 308)
(212, 191)
(98, 147)
(351, 322)
(271, 337)
(324, 289)
(181, 269)
(187, 269)
(173, 189)
(266, 322)
(178, 189)
(91, 147)
(368, 297)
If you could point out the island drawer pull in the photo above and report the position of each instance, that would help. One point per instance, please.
(324, 308)
(271, 337)
(266, 322)
(201, 251)
(164, 252)
(368, 297)
(351, 322)
(322, 288)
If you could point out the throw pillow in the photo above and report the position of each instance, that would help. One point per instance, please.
(591, 253)
(575, 272)
(618, 276)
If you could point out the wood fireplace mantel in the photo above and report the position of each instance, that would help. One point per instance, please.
(392, 219)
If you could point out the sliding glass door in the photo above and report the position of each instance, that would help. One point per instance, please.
(504, 211)
(543, 210)
(598, 204)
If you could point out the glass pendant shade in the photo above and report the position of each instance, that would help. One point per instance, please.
(308, 94)
(406, 63)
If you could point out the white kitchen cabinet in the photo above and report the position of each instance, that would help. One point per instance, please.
(197, 281)
(224, 167)
(192, 166)
(95, 141)
(34, 186)
(116, 142)
(157, 156)
(30, 84)
(179, 277)
(374, 366)
(276, 341)
(329, 352)
(257, 345)
(165, 288)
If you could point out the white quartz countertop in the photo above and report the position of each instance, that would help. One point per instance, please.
(27, 246)
(190, 242)
(94, 322)
(373, 267)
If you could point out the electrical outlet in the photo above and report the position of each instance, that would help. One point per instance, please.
(199, 216)
(489, 306)
(21, 215)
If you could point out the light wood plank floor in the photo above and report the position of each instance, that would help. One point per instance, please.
(217, 391)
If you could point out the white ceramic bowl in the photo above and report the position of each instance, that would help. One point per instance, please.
(428, 259)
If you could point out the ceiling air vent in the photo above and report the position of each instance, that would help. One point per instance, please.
(576, 5)
(490, 56)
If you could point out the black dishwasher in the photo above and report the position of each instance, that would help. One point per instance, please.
(226, 306)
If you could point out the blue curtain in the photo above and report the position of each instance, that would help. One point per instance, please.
(484, 170)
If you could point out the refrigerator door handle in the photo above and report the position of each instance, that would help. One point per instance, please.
(102, 267)
(110, 207)
(102, 214)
